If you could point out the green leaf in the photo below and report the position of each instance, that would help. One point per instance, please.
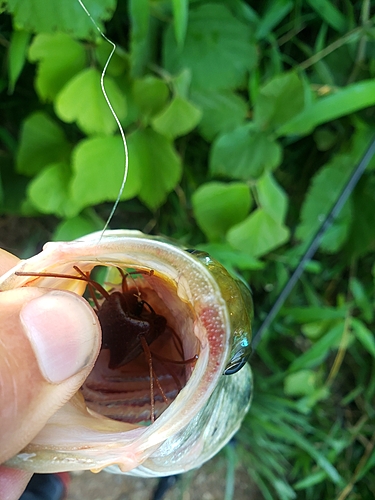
(258, 234)
(275, 12)
(320, 350)
(330, 14)
(49, 190)
(244, 154)
(362, 299)
(42, 142)
(180, 19)
(278, 101)
(60, 58)
(17, 56)
(72, 229)
(223, 111)
(341, 103)
(82, 100)
(364, 335)
(140, 47)
(181, 83)
(150, 95)
(213, 36)
(98, 170)
(218, 206)
(157, 163)
(324, 190)
(119, 62)
(314, 314)
(44, 17)
(230, 258)
(13, 189)
(271, 197)
(301, 383)
(361, 238)
(178, 118)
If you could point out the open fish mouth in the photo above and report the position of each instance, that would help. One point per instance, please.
(117, 419)
(119, 385)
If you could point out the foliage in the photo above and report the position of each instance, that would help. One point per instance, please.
(244, 120)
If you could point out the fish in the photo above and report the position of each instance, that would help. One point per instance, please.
(208, 314)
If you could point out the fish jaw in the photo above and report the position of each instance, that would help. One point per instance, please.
(78, 438)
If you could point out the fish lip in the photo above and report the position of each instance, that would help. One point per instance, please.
(210, 308)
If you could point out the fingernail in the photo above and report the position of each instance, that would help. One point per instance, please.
(63, 333)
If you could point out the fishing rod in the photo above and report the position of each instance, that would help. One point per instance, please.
(315, 242)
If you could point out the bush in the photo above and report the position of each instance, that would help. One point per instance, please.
(244, 121)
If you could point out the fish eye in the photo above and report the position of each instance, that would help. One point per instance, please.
(235, 366)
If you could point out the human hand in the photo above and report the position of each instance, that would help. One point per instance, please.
(49, 341)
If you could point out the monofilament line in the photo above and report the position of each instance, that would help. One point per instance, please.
(126, 167)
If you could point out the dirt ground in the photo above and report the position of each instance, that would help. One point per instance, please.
(206, 483)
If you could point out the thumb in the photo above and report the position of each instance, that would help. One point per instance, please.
(49, 341)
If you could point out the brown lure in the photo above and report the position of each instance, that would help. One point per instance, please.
(129, 326)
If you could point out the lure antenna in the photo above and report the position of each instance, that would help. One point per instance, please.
(315, 242)
(126, 151)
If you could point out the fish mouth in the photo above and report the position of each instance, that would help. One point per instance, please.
(139, 390)
(197, 300)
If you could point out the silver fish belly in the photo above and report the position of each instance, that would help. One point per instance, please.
(205, 307)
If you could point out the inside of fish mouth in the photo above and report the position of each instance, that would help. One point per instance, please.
(124, 393)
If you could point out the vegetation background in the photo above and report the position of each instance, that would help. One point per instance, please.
(244, 120)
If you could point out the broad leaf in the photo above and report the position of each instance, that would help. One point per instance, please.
(71, 229)
(43, 17)
(150, 95)
(218, 206)
(301, 383)
(60, 58)
(258, 234)
(325, 189)
(223, 111)
(42, 142)
(17, 56)
(213, 36)
(178, 118)
(245, 153)
(82, 100)
(230, 258)
(320, 350)
(279, 101)
(119, 62)
(361, 238)
(271, 197)
(158, 164)
(98, 166)
(49, 190)
(181, 83)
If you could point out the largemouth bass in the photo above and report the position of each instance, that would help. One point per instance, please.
(205, 335)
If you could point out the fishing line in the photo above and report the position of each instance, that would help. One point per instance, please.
(126, 151)
(315, 242)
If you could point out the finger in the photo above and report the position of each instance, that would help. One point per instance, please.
(13, 482)
(7, 261)
(49, 341)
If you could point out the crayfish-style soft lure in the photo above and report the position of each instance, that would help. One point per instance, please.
(174, 323)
